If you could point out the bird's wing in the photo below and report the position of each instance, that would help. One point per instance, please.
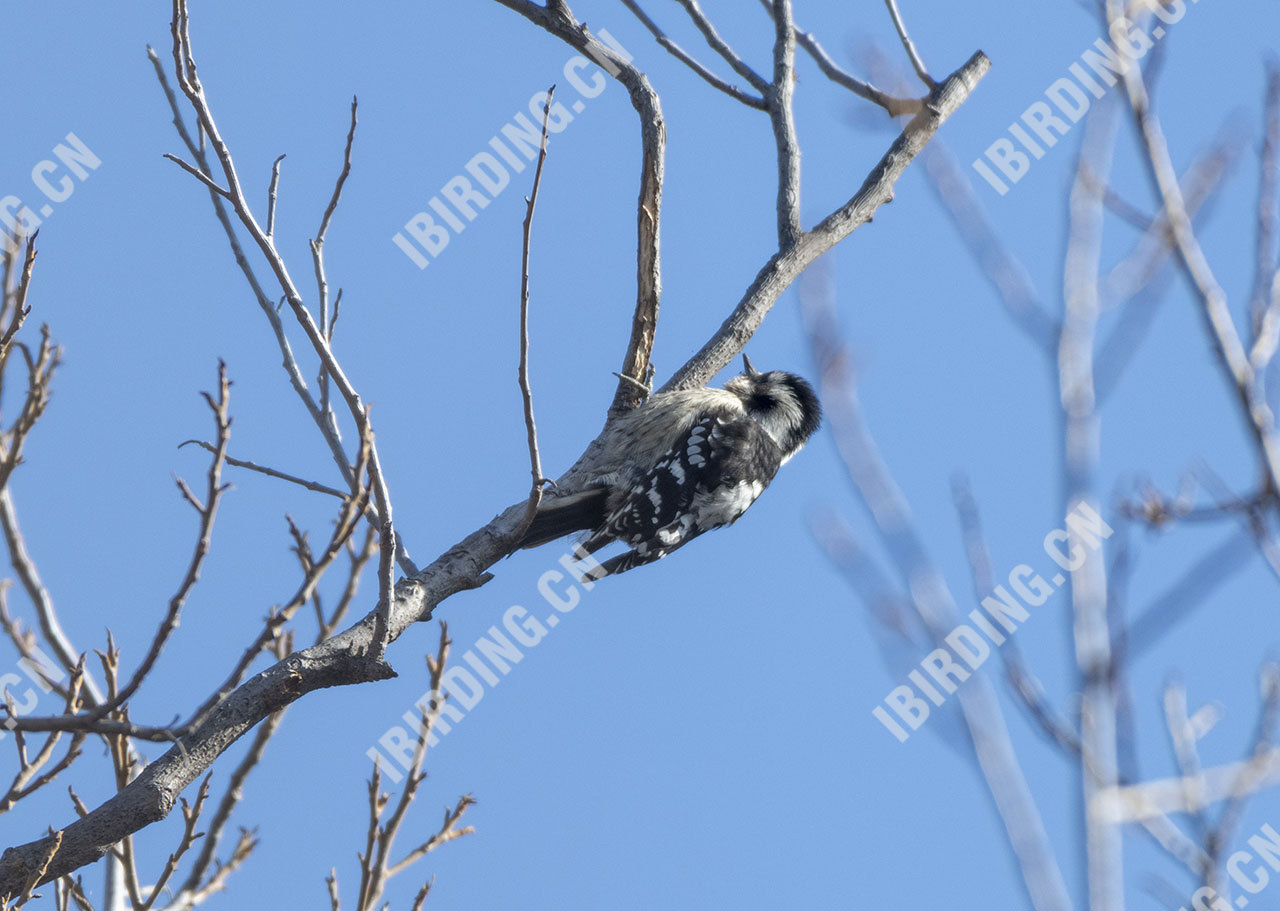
(700, 485)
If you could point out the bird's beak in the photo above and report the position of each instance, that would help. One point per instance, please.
(747, 368)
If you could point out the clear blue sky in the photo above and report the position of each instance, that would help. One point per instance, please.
(697, 734)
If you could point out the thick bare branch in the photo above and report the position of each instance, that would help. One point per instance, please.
(351, 656)
(557, 20)
(780, 95)
(1081, 432)
(784, 267)
(198, 878)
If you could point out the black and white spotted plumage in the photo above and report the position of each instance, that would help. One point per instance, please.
(715, 471)
(682, 464)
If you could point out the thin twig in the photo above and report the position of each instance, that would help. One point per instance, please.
(1025, 685)
(190, 818)
(231, 797)
(37, 874)
(185, 73)
(1232, 356)
(916, 63)
(556, 20)
(342, 177)
(1003, 271)
(29, 777)
(40, 372)
(1219, 836)
(1264, 301)
(20, 308)
(208, 513)
(526, 391)
(359, 558)
(893, 106)
(199, 175)
(46, 615)
(934, 605)
(344, 526)
(271, 196)
(270, 472)
(376, 867)
(189, 82)
(322, 282)
(721, 47)
(753, 101)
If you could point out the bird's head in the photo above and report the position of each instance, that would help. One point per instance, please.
(784, 404)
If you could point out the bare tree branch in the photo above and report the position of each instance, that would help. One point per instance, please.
(782, 114)
(1217, 315)
(322, 417)
(894, 106)
(934, 604)
(29, 777)
(1081, 432)
(272, 189)
(269, 472)
(201, 176)
(208, 512)
(50, 626)
(1264, 301)
(526, 392)
(783, 267)
(148, 794)
(1007, 275)
(1025, 685)
(20, 308)
(376, 867)
(752, 101)
(907, 45)
(721, 47)
(1133, 803)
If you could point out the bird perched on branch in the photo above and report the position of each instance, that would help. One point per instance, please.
(681, 464)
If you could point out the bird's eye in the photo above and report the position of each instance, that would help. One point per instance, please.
(762, 401)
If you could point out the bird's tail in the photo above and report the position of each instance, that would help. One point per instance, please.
(559, 516)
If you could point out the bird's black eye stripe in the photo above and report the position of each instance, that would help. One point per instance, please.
(762, 401)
